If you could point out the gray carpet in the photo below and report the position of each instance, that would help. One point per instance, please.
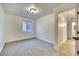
(32, 47)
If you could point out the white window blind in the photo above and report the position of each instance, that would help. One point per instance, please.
(27, 26)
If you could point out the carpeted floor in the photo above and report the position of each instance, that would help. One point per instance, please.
(32, 47)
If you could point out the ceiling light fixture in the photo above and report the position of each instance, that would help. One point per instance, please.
(33, 9)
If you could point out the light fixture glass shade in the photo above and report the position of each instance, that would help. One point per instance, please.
(33, 10)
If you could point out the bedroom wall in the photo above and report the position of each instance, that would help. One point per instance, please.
(14, 28)
(46, 28)
(2, 28)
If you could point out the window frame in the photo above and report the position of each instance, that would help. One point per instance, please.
(25, 27)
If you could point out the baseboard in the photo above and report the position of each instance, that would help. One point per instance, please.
(48, 42)
(20, 39)
(2, 48)
(55, 47)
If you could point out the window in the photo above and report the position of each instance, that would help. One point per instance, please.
(27, 26)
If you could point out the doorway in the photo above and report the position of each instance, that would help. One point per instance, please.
(66, 31)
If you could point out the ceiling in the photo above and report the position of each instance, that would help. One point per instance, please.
(19, 9)
(69, 15)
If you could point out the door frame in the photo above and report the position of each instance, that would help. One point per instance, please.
(57, 10)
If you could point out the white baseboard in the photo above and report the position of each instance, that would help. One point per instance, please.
(2, 48)
(13, 40)
(55, 47)
(47, 41)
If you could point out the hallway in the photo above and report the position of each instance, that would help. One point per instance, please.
(68, 47)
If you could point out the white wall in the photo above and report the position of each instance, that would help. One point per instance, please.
(46, 28)
(14, 28)
(62, 29)
(2, 28)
